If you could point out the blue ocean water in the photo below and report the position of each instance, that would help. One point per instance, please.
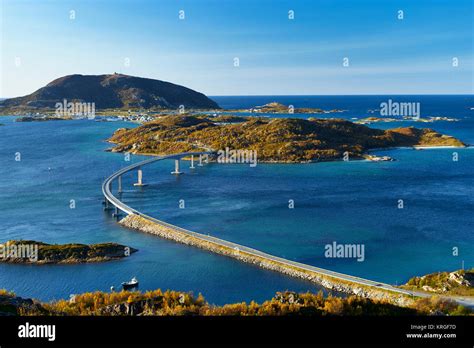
(347, 202)
(357, 106)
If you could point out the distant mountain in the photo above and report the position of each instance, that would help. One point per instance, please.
(115, 91)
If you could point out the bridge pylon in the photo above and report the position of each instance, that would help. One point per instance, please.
(106, 204)
(119, 184)
(116, 213)
(139, 178)
(176, 167)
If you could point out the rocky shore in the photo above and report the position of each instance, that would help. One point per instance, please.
(147, 226)
(460, 282)
(11, 305)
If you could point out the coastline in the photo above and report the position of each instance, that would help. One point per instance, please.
(434, 147)
(363, 158)
(439, 147)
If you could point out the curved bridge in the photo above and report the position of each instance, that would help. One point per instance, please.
(120, 206)
(107, 184)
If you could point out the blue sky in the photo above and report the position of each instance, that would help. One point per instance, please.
(277, 56)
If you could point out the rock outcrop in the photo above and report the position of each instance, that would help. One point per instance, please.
(459, 282)
(11, 305)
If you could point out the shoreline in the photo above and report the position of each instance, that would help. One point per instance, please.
(353, 159)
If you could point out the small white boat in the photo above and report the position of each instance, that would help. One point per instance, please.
(130, 284)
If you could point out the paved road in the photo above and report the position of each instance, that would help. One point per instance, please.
(106, 190)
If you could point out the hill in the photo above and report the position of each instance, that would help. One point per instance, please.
(274, 139)
(114, 91)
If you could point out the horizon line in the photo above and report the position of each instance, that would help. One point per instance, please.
(336, 95)
(321, 95)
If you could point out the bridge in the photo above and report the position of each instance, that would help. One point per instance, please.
(110, 199)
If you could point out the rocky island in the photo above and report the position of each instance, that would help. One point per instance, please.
(286, 140)
(33, 252)
(278, 108)
(41, 118)
(429, 119)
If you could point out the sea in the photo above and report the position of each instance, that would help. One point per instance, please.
(413, 215)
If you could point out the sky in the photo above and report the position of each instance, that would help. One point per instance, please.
(42, 40)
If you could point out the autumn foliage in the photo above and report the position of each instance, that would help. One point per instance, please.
(175, 303)
(285, 303)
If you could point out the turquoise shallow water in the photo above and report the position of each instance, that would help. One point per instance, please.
(353, 202)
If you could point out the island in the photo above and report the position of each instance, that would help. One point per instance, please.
(429, 119)
(41, 118)
(278, 108)
(284, 140)
(33, 252)
(115, 92)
